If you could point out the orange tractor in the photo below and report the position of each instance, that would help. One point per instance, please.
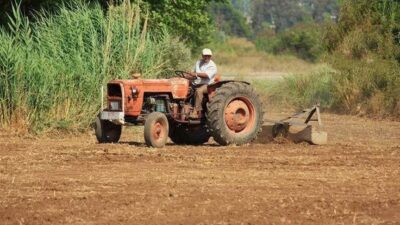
(232, 112)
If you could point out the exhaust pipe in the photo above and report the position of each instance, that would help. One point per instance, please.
(102, 97)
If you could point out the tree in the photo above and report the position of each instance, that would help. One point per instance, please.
(366, 26)
(365, 52)
(282, 14)
(320, 8)
(185, 18)
(243, 6)
(229, 19)
(279, 13)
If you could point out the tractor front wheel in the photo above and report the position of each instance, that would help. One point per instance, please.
(107, 132)
(234, 114)
(156, 130)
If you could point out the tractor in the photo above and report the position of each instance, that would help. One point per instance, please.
(232, 111)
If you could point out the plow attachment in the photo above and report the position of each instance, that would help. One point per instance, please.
(305, 126)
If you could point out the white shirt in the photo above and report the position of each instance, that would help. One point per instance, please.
(209, 68)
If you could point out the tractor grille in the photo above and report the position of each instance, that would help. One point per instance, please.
(114, 90)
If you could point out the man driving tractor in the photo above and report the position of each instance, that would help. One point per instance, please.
(233, 114)
(203, 74)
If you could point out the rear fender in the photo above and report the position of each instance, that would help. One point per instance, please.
(214, 86)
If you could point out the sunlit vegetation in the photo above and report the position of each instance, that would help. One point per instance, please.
(52, 71)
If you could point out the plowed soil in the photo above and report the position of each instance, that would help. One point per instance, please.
(355, 179)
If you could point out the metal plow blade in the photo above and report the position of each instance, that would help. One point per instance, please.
(305, 126)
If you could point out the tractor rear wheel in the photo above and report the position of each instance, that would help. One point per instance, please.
(234, 114)
(189, 135)
(156, 130)
(107, 132)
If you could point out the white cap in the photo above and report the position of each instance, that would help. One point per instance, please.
(206, 51)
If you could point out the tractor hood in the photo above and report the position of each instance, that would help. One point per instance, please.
(131, 93)
(177, 87)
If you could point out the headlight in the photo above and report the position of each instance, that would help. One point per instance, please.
(135, 91)
(114, 105)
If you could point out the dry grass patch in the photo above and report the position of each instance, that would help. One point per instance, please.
(239, 57)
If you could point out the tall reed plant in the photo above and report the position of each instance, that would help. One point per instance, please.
(51, 70)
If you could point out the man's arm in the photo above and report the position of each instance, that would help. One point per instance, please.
(209, 73)
(202, 75)
(192, 74)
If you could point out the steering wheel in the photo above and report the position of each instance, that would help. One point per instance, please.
(181, 73)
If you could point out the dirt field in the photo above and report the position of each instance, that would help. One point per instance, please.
(72, 180)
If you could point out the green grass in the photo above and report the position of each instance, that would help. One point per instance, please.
(296, 92)
(52, 70)
(353, 86)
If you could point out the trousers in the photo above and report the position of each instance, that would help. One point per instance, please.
(199, 95)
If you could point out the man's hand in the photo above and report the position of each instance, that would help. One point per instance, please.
(190, 75)
(201, 75)
(194, 75)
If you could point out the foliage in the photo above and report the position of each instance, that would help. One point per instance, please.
(283, 14)
(30, 7)
(366, 52)
(277, 13)
(187, 19)
(303, 40)
(354, 86)
(299, 91)
(230, 20)
(367, 87)
(292, 27)
(51, 71)
(364, 28)
(321, 10)
(243, 6)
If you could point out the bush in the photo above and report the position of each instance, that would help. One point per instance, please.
(365, 51)
(354, 86)
(303, 40)
(51, 71)
(367, 87)
(299, 91)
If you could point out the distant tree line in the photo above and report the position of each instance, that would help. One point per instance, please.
(277, 26)
(246, 18)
